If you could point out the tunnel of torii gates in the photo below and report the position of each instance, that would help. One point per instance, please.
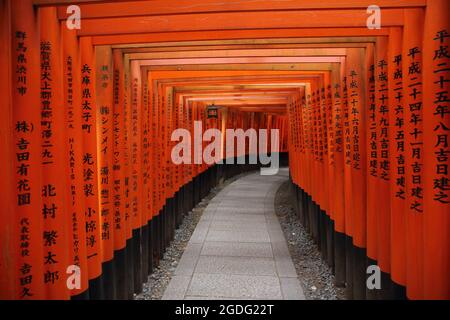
(87, 115)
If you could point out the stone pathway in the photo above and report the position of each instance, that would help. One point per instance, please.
(238, 250)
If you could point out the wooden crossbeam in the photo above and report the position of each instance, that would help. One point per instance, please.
(109, 9)
(236, 21)
(239, 53)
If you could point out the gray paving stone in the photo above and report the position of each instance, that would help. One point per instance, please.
(276, 235)
(236, 265)
(199, 234)
(241, 217)
(238, 225)
(256, 207)
(235, 286)
(280, 250)
(189, 259)
(291, 289)
(285, 268)
(240, 236)
(176, 290)
(237, 249)
(240, 210)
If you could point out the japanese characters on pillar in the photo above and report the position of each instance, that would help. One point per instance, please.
(28, 227)
(413, 91)
(145, 142)
(356, 109)
(291, 107)
(413, 106)
(136, 146)
(126, 129)
(308, 129)
(161, 155)
(297, 140)
(320, 141)
(187, 167)
(191, 128)
(315, 123)
(104, 95)
(330, 142)
(348, 217)
(436, 150)
(165, 175)
(303, 139)
(53, 158)
(176, 124)
(118, 196)
(90, 165)
(383, 184)
(76, 203)
(324, 105)
(397, 157)
(338, 149)
(372, 153)
(441, 111)
(181, 124)
(154, 144)
(168, 94)
(295, 118)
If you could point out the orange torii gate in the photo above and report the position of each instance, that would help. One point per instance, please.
(344, 131)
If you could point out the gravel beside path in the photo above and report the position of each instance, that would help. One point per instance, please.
(314, 274)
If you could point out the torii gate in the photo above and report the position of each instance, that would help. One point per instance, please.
(327, 42)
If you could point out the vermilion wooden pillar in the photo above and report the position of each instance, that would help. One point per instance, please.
(382, 184)
(308, 147)
(413, 107)
(167, 93)
(329, 140)
(127, 171)
(315, 133)
(27, 205)
(153, 173)
(163, 173)
(324, 148)
(372, 158)
(88, 110)
(146, 193)
(104, 101)
(323, 154)
(347, 161)
(118, 175)
(397, 158)
(54, 152)
(338, 176)
(357, 117)
(76, 199)
(176, 121)
(136, 170)
(436, 130)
